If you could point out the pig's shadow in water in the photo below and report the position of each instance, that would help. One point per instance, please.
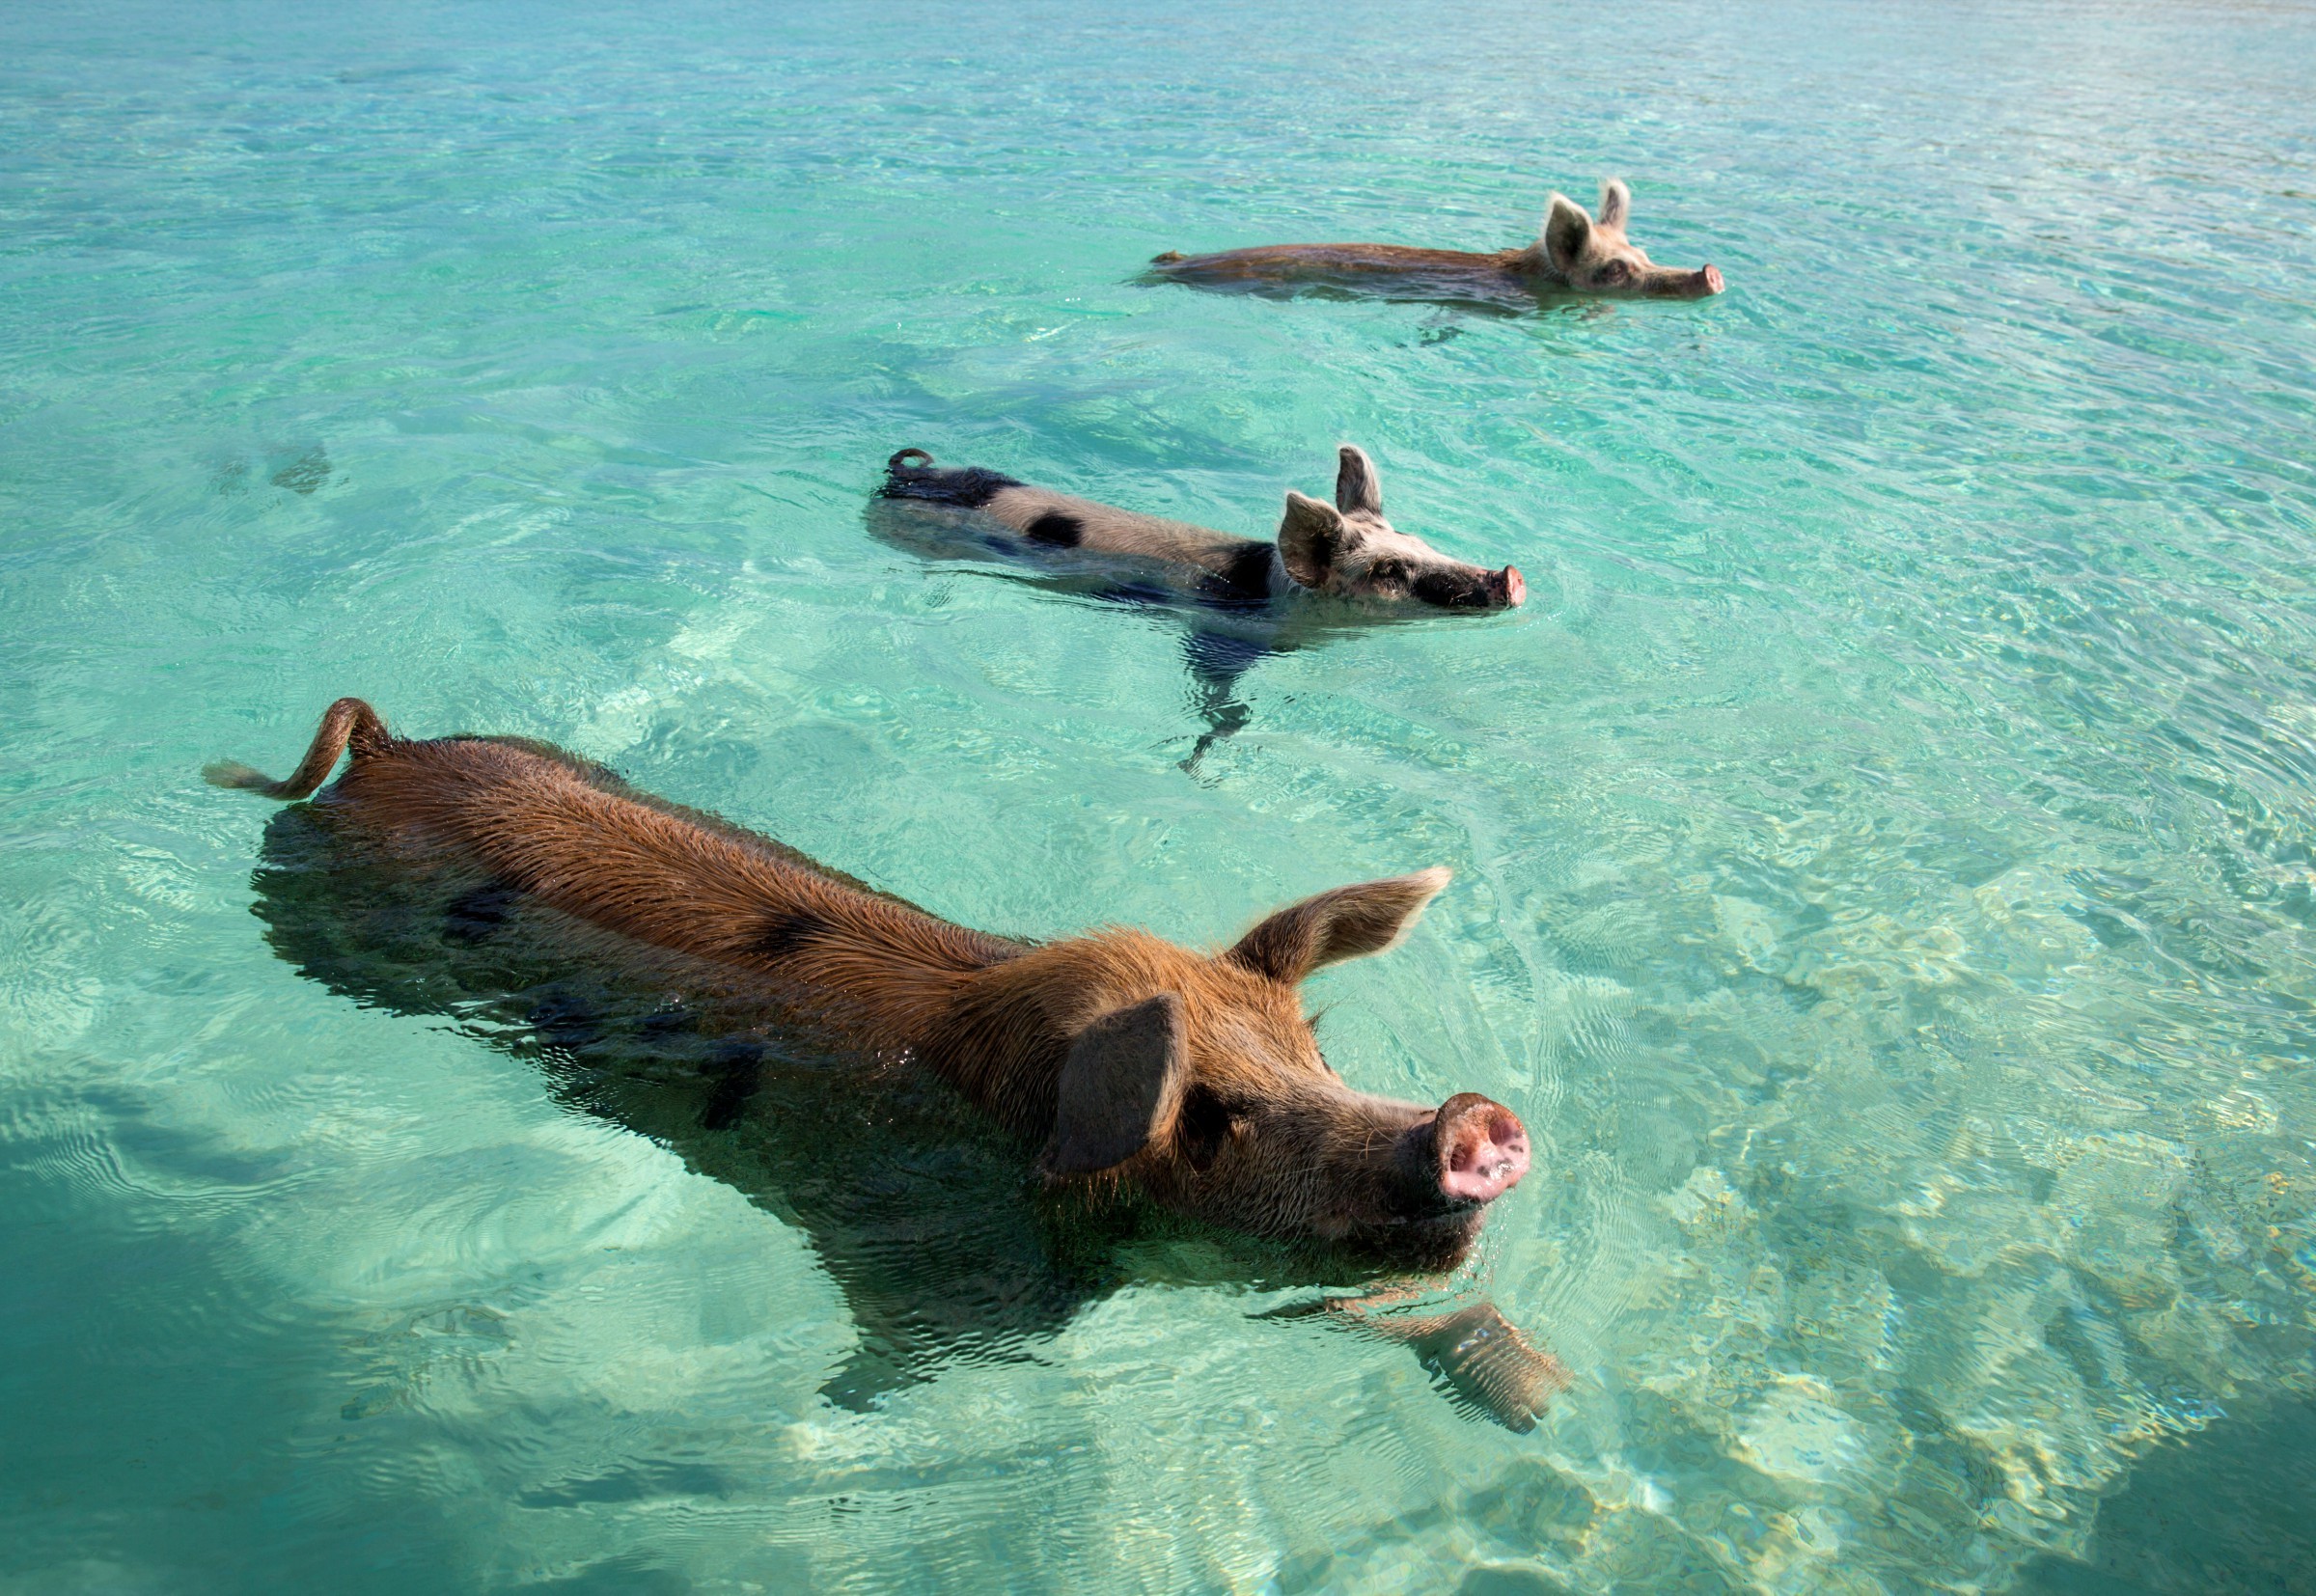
(945, 1245)
(1223, 637)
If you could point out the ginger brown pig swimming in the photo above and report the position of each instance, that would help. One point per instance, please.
(1192, 1079)
(1573, 253)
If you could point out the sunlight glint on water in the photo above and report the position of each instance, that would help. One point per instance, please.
(1883, 842)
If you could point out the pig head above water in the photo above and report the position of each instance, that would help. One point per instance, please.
(1575, 252)
(806, 1039)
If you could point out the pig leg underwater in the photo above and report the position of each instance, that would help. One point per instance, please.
(1482, 1361)
(1216, 660)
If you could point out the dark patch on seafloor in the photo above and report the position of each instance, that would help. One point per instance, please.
(2227, 1512)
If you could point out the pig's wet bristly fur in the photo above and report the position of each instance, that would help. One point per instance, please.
(1575, 252)
(1330, 564)
(806, 1039)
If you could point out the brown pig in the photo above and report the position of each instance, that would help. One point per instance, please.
(1573, 253)
(800, 1035)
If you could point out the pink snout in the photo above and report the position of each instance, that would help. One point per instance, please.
(1712, 279)
(1480, 1148)
(1509, 582)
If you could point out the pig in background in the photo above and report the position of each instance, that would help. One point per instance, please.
(1331, 567)
(883, 1080)
(1574, 253)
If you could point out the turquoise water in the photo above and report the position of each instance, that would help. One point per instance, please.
(1886, 866)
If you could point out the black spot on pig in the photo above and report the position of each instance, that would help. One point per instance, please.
(788, 933)
(1243, 583)
(1054, 529)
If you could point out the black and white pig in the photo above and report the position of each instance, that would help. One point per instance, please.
(1330, 566)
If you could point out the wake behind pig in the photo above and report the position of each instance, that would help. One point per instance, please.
(1330, 566)
(972, 1130)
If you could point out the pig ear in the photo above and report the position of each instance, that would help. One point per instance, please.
(1566, 231)
(1343, 924)
(1357, 486)
(1615, 204)
(1120, 1082)
(1309, 535)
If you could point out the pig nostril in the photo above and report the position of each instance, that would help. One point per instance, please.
(1481, 1149)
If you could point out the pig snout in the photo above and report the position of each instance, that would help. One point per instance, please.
(1480, 1148)
(1470, 1153)
(1708, 282)
(1510, 588)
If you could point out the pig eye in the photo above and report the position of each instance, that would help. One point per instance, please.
(1616, 271)
(1201, 1128)
(1388, 571)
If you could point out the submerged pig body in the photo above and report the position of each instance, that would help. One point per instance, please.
(1575, 252)
(694, 980)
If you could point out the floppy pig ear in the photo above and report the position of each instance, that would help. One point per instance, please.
(1343, 924)
(1309, 535)
(1356, 487)
(1615, 204)
(1567, 229)
(1120, 1082)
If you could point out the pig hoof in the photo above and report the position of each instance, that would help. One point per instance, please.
(1487, 1367)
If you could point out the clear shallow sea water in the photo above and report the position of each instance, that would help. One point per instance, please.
(1885, 864)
